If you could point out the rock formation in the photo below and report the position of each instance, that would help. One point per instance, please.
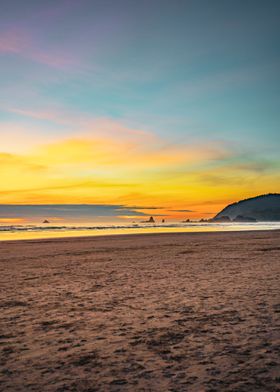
(260, 208)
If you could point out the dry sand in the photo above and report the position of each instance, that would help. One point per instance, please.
(167, 312)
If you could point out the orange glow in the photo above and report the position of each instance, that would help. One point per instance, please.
(12, 221)
(126, 169)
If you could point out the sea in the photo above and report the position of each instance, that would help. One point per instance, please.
(49, 230)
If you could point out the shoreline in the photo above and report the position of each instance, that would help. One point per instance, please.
(99, 234)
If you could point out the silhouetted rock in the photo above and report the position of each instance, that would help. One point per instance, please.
(46, 221)
(260, 208)
(222, 218)
(151, 220)
(241, 218)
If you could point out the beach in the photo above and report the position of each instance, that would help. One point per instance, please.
(151, 312)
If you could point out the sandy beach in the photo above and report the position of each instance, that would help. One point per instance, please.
(155, 312)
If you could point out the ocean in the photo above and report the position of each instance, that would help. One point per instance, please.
(33, 231)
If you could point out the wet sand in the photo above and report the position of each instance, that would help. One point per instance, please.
(158, 312)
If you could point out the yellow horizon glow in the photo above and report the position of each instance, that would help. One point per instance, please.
(129, 170)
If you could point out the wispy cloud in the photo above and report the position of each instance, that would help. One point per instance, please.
(69, 212)
(10, 161)
(92, 168)
(80, 123)
(181, 210)
(21, 42)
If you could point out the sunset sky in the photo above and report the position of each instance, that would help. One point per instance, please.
(138, 104)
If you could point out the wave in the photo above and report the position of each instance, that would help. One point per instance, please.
(189, 225)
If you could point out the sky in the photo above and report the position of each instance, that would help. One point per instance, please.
(127, 103)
